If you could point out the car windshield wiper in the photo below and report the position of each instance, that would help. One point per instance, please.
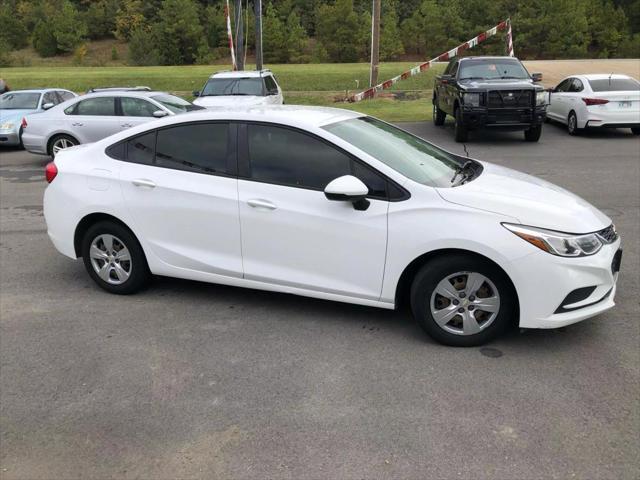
(463, 173)
(471, 78)
(515, 78)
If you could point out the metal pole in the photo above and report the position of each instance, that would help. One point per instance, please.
(239, 35)
(375, 42)
(257, 4)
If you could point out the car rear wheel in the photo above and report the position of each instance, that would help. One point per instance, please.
(533, 134)
(462, 300)
(439, 116)
(461, 133)
(60, 142)
(572, 124)
(114, 258)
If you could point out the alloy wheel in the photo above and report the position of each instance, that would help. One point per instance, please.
(465, 303)
(61, 144)
(110, 259)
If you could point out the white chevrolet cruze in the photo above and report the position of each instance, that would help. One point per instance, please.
(336, 205)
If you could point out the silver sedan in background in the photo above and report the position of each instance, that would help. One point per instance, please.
(15, 104)
(96, 115)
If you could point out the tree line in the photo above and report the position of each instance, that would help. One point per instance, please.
(177, 32)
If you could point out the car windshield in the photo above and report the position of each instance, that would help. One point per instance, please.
(233, 86)
(175, 104)
(491, 70)
(615, 85)
(19, 101)
(407, 154)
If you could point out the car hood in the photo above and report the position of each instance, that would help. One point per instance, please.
(9, 114)
(230, 101)
(530, 200)
(500, 84)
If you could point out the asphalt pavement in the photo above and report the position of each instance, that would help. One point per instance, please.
(191, 380)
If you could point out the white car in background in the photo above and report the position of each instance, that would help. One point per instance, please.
(597, 100)
(96, 115)
(332, 204)
(239, 89)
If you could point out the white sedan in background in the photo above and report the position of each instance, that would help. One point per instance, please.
(332, 204)
(597, 100)
(97, 115)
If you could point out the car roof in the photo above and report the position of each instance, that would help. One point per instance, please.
(490, 57)
(38, 90)
(241, 74)
(602, 76)
(124, 93)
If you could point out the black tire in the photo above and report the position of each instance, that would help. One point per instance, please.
(439, 116)
(461, 132)
(20, 144)
(61, 137)
(572, 124)
(139, 274)
(437, 270)
(533, 134)
(635, 130)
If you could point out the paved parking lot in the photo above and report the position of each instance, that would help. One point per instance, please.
(190, 380)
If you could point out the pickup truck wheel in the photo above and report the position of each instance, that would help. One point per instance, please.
(438, 115)
(572, 124)
(461, 133)
(533, 134)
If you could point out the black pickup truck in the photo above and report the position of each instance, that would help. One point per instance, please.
(490, 92)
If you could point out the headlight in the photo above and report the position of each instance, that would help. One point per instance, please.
(557, 243)
(541, 98)
(7, 125)
(471, 99)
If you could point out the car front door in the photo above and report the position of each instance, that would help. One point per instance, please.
(179, 183)
(558, 102)
(93, 119)
(135, 111)
(292, 235)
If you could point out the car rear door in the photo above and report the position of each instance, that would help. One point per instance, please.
(180, 186)
(292, 235)
(93, 119)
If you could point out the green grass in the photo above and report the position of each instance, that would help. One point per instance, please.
(309, 84)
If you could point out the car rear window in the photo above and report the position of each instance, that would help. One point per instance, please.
(614, 85)
(233, 86)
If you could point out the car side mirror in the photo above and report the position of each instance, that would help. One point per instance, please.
(446, 78)
(536, 77)
(47, 106)
(196, 93)
(160, 113)
(348, 189)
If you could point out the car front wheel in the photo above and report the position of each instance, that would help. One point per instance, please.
(462, 300)
(114, 258)
(572, 124)
(461, 133)
(533, 133)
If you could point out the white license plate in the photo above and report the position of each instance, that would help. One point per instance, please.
(624, 104)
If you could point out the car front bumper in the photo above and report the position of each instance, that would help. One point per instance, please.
(503, 118)
(544, 283)
(9, 138)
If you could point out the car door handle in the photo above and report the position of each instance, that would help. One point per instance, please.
(257, 203)
(77, 124)
(126, 125)
(141, 182)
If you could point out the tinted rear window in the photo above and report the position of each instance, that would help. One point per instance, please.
(199, 147)
(614, 85)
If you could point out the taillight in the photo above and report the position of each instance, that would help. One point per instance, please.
(594, 101)
(23, 124)
(50, 172)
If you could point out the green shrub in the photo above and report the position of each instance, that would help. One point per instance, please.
(44, 42)
(13, 33)
(142, 48)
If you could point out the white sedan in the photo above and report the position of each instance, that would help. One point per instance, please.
(602, 100)
(332, 204)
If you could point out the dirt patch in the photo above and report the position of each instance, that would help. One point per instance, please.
(555, 70)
